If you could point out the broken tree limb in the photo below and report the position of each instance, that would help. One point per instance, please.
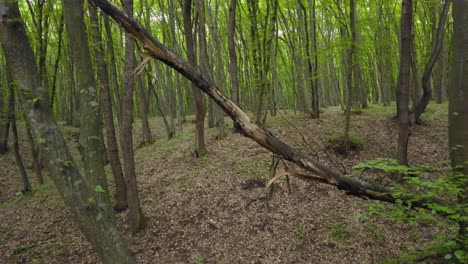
(263, 137)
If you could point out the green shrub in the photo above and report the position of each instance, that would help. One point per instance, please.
(442, 208)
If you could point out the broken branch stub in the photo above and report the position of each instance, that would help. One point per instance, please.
(263, 137)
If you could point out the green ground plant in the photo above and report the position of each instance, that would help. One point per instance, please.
(442, 208)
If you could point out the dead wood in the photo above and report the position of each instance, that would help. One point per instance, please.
(263, 137)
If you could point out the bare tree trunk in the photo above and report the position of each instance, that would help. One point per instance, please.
(136, 217)
(458, 110)
(37, 166)
(437, 45)
(92, 218)
(144, 107)
(232, 55)
(404, 81)
(199, 104)
(113, 70)
(4, 122)
(351, 74)
(14, 130)
(112, 148)
(57, 60)
(90, 141)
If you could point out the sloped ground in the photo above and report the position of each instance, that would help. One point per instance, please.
(214, 209)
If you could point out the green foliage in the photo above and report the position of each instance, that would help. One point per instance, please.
(5, 233)
(340, 231)
(35, 100)
(99, 189)
(91, 201)
(340, 146)
(40, 140)
(389, 165)
(441, 199)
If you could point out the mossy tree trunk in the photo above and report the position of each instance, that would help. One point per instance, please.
(92, 218)
(112, 147)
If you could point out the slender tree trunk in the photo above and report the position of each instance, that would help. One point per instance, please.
(351, 76)
(199, 104)
(14, 130)
(93, 219)
(113, 69)
(136, 217)
(232, 55)
(90, 142)
(144, 107)
(404, 81)
(57, 60)
(437, 45)
(4, 122)
(315, 97)
(160, 105)
(37, 166)
(112, 148)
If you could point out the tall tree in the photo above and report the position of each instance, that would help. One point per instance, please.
(136, 216)
(14, 130)
(112, 148)
(436, 48)
(351, 77)
(233, 70)
(90, 141)
(404, 80)
(4, 122)
(92, 219)
(458, 102)
(192, 58)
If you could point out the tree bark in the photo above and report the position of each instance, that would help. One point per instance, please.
(404, 81)
(12, 118)
(112, 147)
(144, 108)
(37, 166)
(232, 55)
(4, 122)
(113, 70)
(136, 217)
(458, 101)
(199, 104)
(92, 219)
(90, 140)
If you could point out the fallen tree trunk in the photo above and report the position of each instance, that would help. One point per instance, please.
(263, 137)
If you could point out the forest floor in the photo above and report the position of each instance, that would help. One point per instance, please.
(214, 209)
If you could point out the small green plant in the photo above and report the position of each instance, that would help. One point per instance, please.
(300, 234)
(441, 206)
(5, 233)
(340, 231)
(99, 189)
(200, 260)
(340, 146)
(21, 249)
